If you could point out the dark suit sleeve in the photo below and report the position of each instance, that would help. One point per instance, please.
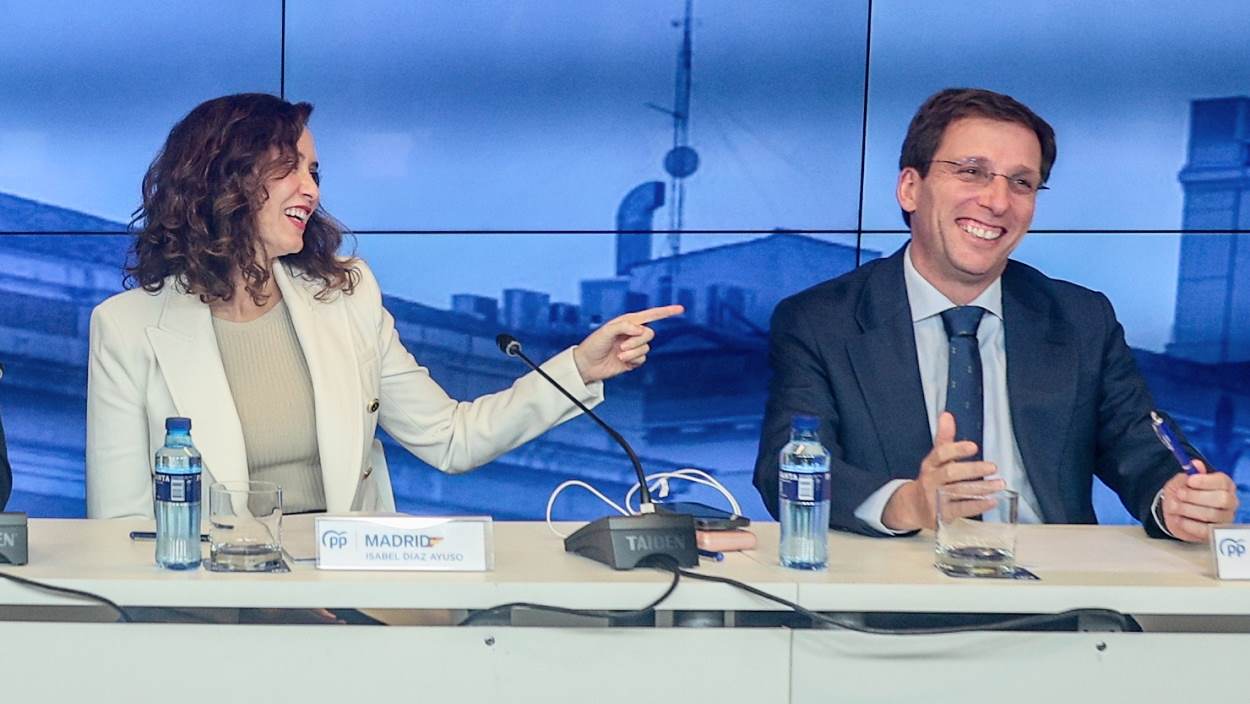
(6, 472)
(1130, 458)
(800, 385)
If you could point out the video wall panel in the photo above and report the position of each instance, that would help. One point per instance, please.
(88, 92)
(541, 115)
(483, 152)
(1114, 79)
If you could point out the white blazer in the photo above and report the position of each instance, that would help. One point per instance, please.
(155, 356)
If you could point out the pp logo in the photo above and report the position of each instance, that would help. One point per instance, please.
(334, 539)
(1232, 547)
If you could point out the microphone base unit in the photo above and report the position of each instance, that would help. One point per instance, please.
(13, 547)
(626, 542)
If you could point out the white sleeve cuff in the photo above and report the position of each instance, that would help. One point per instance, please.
(873, 508)
(1156, 514)
(563, 368)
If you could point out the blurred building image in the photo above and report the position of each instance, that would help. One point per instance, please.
(699, 400)
(1212, 328)
(698, 403)
(1213, 300)
(48, 286)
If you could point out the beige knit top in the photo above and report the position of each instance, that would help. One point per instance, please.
(273, 396)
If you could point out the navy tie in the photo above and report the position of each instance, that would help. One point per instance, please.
(964, 398)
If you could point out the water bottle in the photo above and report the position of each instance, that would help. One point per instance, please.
(178, 468)
(805, 488)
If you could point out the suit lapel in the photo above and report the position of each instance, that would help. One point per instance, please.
(886, 368)
(325, 337)
(186, 350)
(1042, 373)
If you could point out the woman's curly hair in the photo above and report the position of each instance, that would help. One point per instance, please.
(202, 194)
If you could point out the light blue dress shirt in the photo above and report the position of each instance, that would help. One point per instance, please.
(933, 354)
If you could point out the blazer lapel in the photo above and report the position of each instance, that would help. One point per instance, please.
(887, 370)
(186, 350)
(1042, 373)
(325, 336)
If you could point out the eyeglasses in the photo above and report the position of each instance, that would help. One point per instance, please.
(977, 173)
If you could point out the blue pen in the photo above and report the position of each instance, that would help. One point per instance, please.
(1165, 435)
(712, 554)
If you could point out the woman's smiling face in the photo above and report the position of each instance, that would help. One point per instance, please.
(293, 198)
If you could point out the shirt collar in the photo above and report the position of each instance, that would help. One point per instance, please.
(926, 301)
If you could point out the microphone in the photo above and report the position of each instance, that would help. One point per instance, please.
(622, 542)
(511, 346)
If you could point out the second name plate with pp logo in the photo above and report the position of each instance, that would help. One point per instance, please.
(432, 543)
(1230, 546)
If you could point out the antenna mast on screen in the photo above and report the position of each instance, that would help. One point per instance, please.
(682, 160)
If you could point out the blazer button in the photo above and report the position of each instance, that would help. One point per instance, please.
(368, 471)
(373, 406)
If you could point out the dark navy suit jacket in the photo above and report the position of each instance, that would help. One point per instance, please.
(6, 473)
(845, 351)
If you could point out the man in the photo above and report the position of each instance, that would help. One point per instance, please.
(1057, 398)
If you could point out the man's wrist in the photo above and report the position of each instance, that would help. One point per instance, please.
(1156, 513)
(872, 508)
(900, 510)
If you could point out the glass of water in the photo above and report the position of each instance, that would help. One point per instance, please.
(245, 533)
(976, 532)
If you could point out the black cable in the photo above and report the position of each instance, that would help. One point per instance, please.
(816, 617)
(664, 564)
(125, 617)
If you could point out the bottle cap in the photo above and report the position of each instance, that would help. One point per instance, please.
(805, 423)
(176, 423)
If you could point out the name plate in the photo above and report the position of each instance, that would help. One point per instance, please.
(1231, 546)
(433, 543)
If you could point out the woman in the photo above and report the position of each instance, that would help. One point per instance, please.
(247, 321)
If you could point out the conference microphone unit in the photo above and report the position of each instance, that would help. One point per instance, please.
(622, 542)
(13, 539)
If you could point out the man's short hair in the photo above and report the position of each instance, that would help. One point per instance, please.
(924, 134)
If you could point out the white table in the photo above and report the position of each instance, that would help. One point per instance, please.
(1109, 567)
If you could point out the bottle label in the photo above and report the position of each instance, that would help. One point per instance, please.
(802, 488)
(178, 488)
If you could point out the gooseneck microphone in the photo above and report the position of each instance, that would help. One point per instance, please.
(511, 346)
(622, 542)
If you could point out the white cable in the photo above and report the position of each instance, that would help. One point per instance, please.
(661, 487)
(690, 474)
(577, 482)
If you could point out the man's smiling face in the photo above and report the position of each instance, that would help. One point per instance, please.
(962, 233)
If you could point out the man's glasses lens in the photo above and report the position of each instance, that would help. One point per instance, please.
(968, 172)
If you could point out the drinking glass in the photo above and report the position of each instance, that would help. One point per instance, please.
(976, 532)
(245, 533)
